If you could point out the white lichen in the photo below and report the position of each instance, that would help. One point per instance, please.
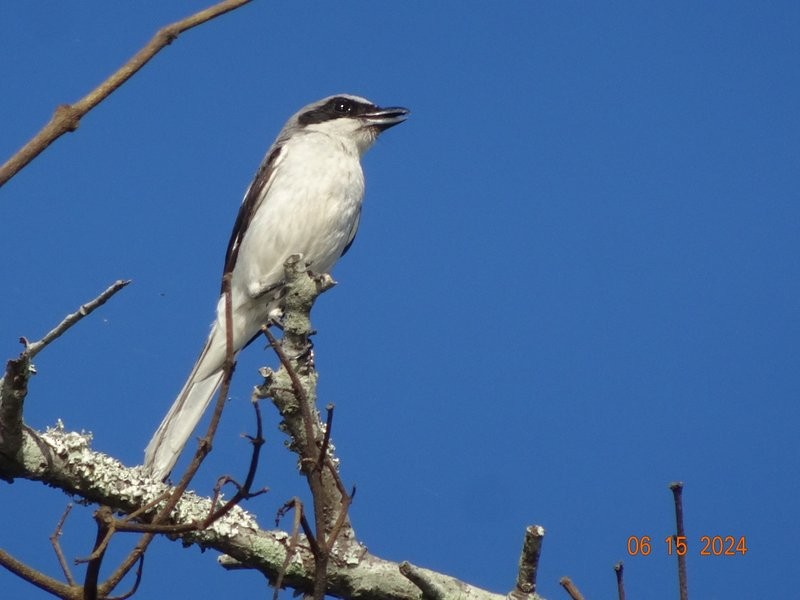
(131, 486)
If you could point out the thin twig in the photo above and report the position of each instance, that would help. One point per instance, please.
(137, 556)
(57, 545)
(31, 575)
(102, 517)
(33, 348)
(677, 494)
(293, 539)
(297, 387)
(242, 493)
(570, 588)
(145, 508)
(326, 440)
(341, 519)
(242, 490)
(163, 515)
(66, 118)
(14, 383)
(135, 587)
(620, 586)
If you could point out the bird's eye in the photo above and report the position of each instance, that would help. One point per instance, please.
(344, 107)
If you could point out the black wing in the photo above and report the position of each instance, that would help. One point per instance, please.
(353, 231)
(252, 200)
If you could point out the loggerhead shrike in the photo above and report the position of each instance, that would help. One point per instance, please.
(305, 198)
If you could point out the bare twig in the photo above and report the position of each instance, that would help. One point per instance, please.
(33, 348)
(103, 516)
(326, 440)
(135, 556)
(295, 504)
(62, 561)
(570, 588)
(677, 494)
(66, 117)
(243, 491)
(157, 524)
(138, 580)
(37, 578)
(14, 384)
(620, 586)
(297, 387)
(299, 521)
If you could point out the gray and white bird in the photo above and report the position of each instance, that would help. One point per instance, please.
(305, 198)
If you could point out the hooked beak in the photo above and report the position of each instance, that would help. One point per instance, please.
(383, 118)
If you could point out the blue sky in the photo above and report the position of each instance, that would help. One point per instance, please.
(576, 278)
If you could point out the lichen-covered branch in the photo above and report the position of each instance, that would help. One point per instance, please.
(328, 560)
(14, 383)
(65, 460)
(292, 389)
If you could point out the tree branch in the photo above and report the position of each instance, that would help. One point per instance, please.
(620, 583)
(76, 469)
(66, 117)
(65, 460)
(33, 348)
(677, 496)
(43, 582)
(570, 588)
(14, 383)
(292, 389)
(525, 586)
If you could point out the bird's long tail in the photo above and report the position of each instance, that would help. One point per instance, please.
(171, 436)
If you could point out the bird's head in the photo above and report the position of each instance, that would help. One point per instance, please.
(349, 117)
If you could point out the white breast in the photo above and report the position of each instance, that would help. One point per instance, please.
(311, 207)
